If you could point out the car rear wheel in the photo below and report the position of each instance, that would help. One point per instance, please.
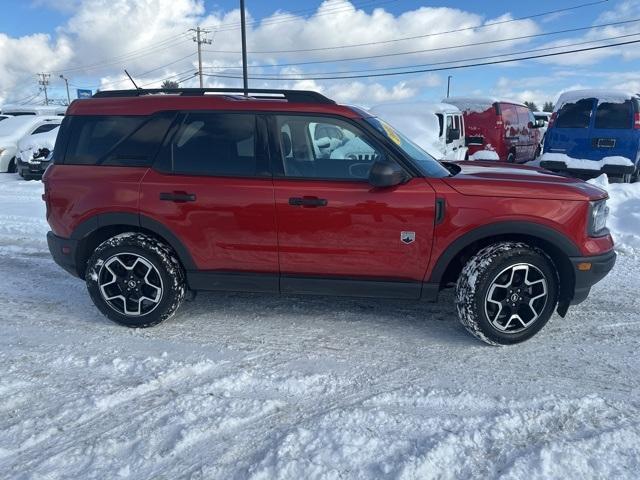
(135, 280)
(506, 293)
(12, 166)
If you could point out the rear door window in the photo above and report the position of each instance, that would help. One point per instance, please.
(215, 144)
(614, 115)
(575, 115)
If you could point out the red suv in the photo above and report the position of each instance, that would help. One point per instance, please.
(156, 193)
(508, 128)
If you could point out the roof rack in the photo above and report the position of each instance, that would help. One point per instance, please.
(294, 96)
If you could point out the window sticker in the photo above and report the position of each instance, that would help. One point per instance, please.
(391, 133)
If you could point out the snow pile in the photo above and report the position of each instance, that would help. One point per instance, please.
(582, 164)
(417, 121)
(603, 96)
(29, 146)
(624, 213)
(484, 155)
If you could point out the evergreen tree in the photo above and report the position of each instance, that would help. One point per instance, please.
(169, 84)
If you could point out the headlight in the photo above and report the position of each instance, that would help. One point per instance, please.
(598, 213)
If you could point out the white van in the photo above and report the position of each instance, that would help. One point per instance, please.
(436, 127)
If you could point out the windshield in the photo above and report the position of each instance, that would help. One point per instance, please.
(428, 165)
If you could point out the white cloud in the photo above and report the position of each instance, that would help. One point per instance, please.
(102, 37)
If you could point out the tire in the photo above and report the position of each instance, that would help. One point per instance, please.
(135, 280)
(511, 158)
(483, 299)
(12, 166)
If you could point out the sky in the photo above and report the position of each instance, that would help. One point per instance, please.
(292, 43)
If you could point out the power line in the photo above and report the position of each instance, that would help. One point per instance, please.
(162, 45)
(414, 37)
(450, 62)
(455, 67)
(437, 49)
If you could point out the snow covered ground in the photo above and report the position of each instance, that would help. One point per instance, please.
(254, 386)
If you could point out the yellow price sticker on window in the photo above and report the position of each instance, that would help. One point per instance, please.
(391, 133)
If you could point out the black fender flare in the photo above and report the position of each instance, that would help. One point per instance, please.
(102, 220)
(547, 234)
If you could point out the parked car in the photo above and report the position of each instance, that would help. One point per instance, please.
(438, 128)
(21, 110)
(11, 132)
(593, 132)
(506, 127)
(34, 151)
(151, 195)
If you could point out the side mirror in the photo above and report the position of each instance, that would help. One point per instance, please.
(386, 174)
(453, 134)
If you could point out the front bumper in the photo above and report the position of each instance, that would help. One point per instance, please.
(600, 266)
(63, 251)
(26, 169)
(610, 170)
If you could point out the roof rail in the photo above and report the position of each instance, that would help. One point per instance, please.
(294, 96)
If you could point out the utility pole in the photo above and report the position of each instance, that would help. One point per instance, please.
(245, 80)
(200, 39)
(66, 82)
(449, 85)
(44, 81)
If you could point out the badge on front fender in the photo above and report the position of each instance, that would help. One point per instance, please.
(407, 237)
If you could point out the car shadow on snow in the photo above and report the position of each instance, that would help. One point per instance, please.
(294, 317)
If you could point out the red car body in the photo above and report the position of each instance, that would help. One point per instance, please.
(508, 128)
(245, 234)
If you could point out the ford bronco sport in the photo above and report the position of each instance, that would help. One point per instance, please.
(152, 194)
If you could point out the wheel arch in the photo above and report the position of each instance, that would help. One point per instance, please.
(95, 230)
(555, 244)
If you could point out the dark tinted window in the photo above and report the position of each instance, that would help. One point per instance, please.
(575, 115)
(614, 115)
(21, 114)
(140, 148)
(92, 138)
(215, 144)
(45, 128)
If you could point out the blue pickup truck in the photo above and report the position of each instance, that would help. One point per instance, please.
(593, 132)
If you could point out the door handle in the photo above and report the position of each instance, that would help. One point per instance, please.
(178, 197)
(308, 202)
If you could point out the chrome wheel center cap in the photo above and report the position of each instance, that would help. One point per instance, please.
(132, 284)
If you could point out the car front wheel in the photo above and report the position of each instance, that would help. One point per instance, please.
(135, 280)
(506, 293)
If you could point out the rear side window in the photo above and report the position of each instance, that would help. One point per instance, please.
(614, 115)
(45, 128)
(92, 138)
(215, 144)
(575, 115)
